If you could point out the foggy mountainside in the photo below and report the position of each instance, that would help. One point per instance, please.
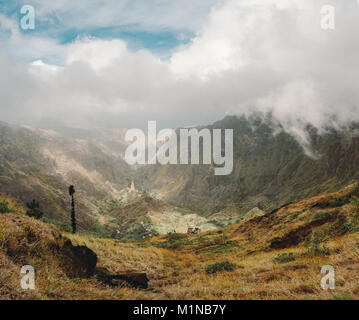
(271, 168)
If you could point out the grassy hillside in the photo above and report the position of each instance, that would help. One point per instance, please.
(276, 255)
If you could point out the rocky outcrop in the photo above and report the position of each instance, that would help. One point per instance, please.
(79, 261)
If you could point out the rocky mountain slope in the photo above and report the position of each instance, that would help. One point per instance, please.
(41, 164)
(271, 168)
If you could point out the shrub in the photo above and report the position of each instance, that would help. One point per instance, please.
(332, 202)
(176, 236)
(226, 247)
(354, 192)
(171, 244)
(4, 207)
(356, 207)
(277, 220)
(34, 210)
(316, 249)
(323, 215)
(294, 216)
(220, 266)
(337, 202)
(173, 241)
(351, 227)
(284, 258)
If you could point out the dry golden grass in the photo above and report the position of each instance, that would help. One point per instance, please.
(176, 264)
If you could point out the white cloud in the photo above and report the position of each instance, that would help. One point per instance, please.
(238, 34)
(98, 54)
(250, 55)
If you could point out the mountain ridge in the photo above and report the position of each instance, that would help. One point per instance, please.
(270, 169)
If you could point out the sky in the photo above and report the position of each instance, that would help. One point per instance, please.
(187, 62)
